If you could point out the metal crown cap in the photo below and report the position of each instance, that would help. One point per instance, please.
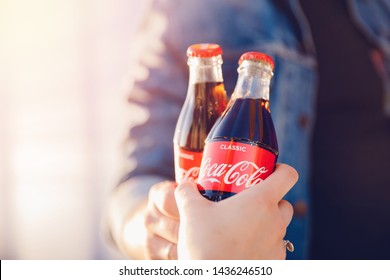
(204, 50)
(257, 56)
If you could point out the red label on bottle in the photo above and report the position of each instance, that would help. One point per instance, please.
(187, 164)
(230, 166)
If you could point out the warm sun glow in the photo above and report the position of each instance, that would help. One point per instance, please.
(62, 120)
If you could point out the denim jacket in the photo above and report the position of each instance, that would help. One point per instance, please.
(278, 28)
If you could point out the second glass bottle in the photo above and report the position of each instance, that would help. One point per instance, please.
(205, 101)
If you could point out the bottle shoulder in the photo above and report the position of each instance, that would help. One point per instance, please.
(248, 121)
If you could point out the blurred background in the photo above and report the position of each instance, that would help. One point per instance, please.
(64, 71)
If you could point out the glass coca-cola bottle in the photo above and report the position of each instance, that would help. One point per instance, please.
(241, 149)
(206, 100)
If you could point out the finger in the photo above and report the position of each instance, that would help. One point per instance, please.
(160, 249)
(162, 225)
(287, 211)
(188, 197)
(163, 197)
(275, 187)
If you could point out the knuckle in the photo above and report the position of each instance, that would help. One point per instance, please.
(290, 210)
(153, 191)
(287, 207)
(291, 172)
(157, 188)
(166, 200)
(148, 220)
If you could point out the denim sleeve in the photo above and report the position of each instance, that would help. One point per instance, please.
(373, 18)
(156, 94)
(155, 99)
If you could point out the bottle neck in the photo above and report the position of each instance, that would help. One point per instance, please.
(254, 78)
(203, 70)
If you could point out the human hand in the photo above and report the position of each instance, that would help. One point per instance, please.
(153, 231)
(248, 225)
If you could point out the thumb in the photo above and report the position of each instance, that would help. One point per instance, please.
(188, 197)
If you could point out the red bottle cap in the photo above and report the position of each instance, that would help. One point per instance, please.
(204, 50)
(257, 56)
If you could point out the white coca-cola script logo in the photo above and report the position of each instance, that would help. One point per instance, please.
(243, 172)
(186, 156)
(190, 174)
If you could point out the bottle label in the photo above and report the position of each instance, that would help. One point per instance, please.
(187, 164)
(230, 166)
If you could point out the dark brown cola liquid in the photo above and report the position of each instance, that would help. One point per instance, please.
(206, 103)
(245, 121)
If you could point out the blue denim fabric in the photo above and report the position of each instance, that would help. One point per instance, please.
(239, 26)
(374, 19)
